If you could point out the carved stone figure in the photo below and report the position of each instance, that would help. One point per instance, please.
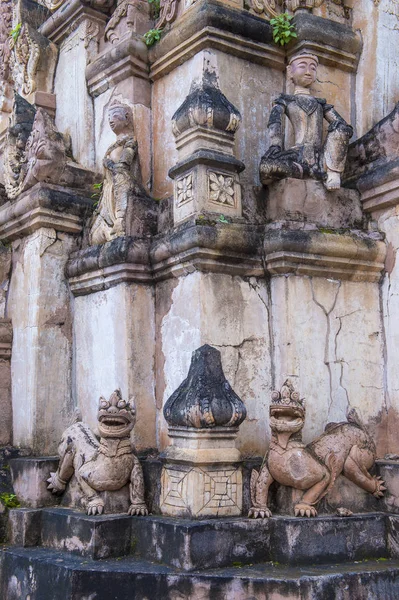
(124, 207)
(344, 448)
(102, 465)
(35, 150)
(309, 157)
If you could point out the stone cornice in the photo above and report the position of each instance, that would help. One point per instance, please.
(381, 196)
(209, 24)
(235, 249)
(353, 256)
(335, 44)
(67, 19)
(44, 205)
(5, 338)
(126, 59)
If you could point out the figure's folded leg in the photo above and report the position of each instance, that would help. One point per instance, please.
(281, 165)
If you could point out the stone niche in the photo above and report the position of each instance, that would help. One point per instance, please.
(202, 474)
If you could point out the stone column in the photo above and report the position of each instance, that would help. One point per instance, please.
(42, 226)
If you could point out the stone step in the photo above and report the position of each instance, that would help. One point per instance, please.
(44, 574)
(192, 545)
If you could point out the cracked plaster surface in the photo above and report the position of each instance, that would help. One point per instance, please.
(38, 304)
(327, 334)
(389, 301)
(230, 314)
(114, 343)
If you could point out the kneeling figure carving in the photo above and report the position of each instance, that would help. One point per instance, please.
(102, 465)
(344, 448)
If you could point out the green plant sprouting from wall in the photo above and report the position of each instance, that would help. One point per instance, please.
(283, 29)
(152, 36)
(9, 500)
(98, 188)
(14, 33)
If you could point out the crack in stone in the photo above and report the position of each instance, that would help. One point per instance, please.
(328, 332)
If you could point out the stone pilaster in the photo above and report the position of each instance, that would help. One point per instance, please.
(114, 330)
(41, 225)
(206, 178)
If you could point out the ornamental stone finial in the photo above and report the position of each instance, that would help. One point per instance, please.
(205, 399)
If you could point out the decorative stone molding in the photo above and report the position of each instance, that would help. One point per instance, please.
(227, 248)
(168, 12)
(223, 189)
(204, 127)
(335, 44)
(202, 476)
(373, 163)
(354, 256)
(36, 152)
(129, 16)
(44, 206)
(68, 20)
(185, 189)
(267, 8)
(381, 197)
(128, 58)
(216, 28)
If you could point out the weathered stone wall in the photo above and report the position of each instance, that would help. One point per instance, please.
(114, 348)
(39, 307)
(231, 314)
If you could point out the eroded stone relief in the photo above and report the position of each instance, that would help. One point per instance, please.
(105, 465)
(344, 448)
(124, 207)
(309, 157)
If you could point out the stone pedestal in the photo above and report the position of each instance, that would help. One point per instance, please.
(41, 225)
(202, 476)
(308, 201)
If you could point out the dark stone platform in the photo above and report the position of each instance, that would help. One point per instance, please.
(193, 545)
(43, 574)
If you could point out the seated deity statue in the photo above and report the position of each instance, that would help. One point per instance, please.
(309, 157)
(122, 184)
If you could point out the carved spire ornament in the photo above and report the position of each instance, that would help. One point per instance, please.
(205, 398)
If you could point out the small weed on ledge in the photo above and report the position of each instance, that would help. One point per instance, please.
(283, 29)
(152, 36)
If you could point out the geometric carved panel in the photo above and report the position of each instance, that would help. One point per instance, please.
(197, 491)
